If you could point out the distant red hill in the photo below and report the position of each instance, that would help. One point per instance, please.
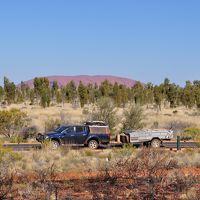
(63, 80)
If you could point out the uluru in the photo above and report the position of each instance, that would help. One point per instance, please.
(86, 79)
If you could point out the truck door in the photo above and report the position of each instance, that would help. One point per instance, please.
(81, 134)
(69, 135)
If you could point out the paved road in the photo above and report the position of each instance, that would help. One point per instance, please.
(28, 146)
(23, 147)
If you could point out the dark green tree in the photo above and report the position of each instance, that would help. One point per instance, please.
(25, 90)
(42, 90)
(149, 98)
(138, 92)
(172, 95)
(116, 95)
(83, 95)
(158, 96)
(188, 96)
(70, 92)
(196, 85)
(10, 91)
(1, 93)
(123, 92)
(106, 88)
(54, 89)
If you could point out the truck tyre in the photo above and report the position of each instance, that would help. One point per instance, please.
(55, 144)
(155, 143)
(93, 144)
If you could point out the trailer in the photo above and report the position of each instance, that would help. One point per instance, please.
(153, 138)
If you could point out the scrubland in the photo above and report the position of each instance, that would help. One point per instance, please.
(126, 173)
(165, 118)
(118, 173)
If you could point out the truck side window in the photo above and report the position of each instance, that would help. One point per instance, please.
(69, 130)
(79, 129)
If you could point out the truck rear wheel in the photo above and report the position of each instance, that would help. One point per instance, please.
(155, 143)
(93, 144)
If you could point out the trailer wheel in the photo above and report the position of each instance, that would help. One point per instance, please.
(155, 143)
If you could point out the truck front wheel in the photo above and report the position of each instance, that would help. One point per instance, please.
(55, 144)
(93, 144)
(155, 143)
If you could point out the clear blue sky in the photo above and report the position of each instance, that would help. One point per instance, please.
(143, 40)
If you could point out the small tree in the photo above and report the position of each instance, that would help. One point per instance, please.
(10, 90)
(1, 93)
(11, 122)
(83, 95)
(105, 110)
(133, 117)
(42, 90)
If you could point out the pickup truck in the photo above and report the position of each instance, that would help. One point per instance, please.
(153, 138)
(91, 136)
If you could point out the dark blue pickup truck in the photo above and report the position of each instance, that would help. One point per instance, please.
(91, 136)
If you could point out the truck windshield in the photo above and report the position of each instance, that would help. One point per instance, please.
(60, 129)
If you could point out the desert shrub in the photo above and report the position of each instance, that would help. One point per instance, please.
(133, 117)
(16, 139)
(188, 158)
(191, 133)
(175, 111)
(51, 124)
(177, 126)
(85, 111)
(6, 180)
(88, 152)
(42, 184)
(151, 174)
(193, 114)
(8, 159)
(29, 132)
(11, 122)
(104, 110)
(8, 153)
(125, 152)
(155, 125)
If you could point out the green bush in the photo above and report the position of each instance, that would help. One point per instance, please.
(126, 151)
(193, 133)
(105, 110)
(16, 139)
(8, 153)
(133, 117)
(12, 121)
(29, 132)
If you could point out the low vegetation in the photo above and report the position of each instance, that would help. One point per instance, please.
(192, 133)
(11, 122)
(128, 174)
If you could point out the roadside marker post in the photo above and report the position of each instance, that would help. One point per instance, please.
(178, 143)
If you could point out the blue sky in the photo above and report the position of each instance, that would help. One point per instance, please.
(146, 40)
